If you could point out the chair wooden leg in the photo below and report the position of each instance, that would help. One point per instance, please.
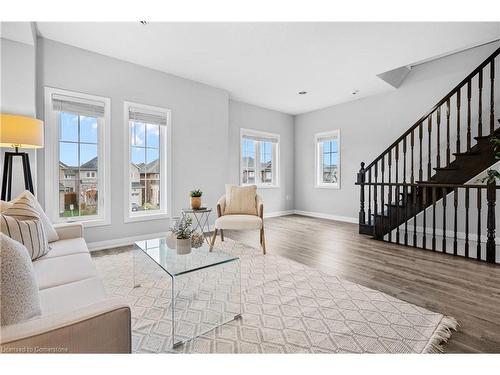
(214, 236)
(222, 235)
(263, 240)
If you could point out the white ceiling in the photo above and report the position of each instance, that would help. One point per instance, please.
(21, 32)
(267, 64)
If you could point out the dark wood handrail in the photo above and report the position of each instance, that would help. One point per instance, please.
(436, 106)
(470, 186)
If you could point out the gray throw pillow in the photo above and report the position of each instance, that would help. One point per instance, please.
(19, 298)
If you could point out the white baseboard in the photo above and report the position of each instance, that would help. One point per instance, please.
(321, 215)
(279, 213)
(123, 241)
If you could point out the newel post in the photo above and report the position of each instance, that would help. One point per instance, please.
(361, 183)
(491, 193)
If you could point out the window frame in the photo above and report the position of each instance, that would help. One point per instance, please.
(165, 147)
(318, 169)
(52, 160)
(276, 156)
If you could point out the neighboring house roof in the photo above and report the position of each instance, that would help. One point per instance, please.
(91, 165)
(248, 161)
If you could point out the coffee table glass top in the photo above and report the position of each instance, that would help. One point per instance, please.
(175, 264)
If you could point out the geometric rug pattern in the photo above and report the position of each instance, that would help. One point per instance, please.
(286, 308)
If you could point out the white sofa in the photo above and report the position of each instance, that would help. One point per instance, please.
(77, 315)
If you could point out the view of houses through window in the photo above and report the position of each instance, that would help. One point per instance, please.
(78, 166)
(328, 159)
(144, 166)
(258, 164)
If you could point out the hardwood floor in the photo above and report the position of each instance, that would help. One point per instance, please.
(465, 289)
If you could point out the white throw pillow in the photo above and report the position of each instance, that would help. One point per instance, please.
(47, 225)
(240, 200)
(20, 300)
(22, 223)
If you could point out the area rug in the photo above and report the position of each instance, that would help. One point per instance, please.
(286, 308)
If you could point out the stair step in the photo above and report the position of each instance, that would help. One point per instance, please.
(438, 169)
(468, 153)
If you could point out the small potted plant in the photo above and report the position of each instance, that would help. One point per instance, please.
(183, 233)
(196, 198)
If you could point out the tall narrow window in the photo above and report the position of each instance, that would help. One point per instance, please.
(147, 161)
(259, 158)
(328, 159)
(76, 157)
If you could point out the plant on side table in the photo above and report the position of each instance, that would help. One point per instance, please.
(196, 198)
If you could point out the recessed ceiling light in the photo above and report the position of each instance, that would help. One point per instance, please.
(354, 92)
(302, 92)
(144, 22)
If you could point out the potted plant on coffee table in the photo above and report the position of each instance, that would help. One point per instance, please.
(183, 233)
(196, 199)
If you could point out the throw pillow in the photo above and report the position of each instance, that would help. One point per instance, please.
(47, 225)
(22, 223)
(20, 300)
(241, 200)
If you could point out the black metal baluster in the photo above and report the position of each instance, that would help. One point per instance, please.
(448, 132)
(420, 136)
(414, 195)
(480, 107)
(492, 96)
(361, 181)
(389, 203)
(466, 222)
(469, 137)
(455, 221)
(370, 196)
(478, 254)
(382, 191)
(429, 159)
(396, 156)
(433, 218)
(443, 246)
(412, 141)
(375, 198)
(424, 217)
(458, 120)
(438, 156)
(405, 193)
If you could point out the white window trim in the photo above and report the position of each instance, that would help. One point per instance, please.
(52, 161)
(277, 166)
(317, 157)
(165, 168)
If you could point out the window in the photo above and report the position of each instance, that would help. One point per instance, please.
(259, 162)
(328, 159)
(77, 157)
(147, 138)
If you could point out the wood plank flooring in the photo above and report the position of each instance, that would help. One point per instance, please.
(465, 289)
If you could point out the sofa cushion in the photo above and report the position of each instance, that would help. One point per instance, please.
(72, 296)
(47, 225)
(26, 230)
(67, 247)
(238, 222)
(61, 270)
(19, 299)
(240, 200)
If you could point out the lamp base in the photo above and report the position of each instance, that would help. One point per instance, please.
(7, 174)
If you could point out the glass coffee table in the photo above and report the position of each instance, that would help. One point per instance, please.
(205, 290)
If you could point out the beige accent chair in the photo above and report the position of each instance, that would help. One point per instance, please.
(239, 222)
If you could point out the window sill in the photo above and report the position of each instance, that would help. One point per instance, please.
(335, 187)
(87, 223)
(146, 217)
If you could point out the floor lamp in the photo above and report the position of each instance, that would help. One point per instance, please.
(18, 132)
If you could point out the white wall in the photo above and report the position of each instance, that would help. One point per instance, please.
(17, 96)
(368, 126)
(199, 126)
(242, 115)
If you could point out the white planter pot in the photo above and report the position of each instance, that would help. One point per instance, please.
(171, 240)
(183, 246)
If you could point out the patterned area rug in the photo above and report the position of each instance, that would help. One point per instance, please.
(286, 308)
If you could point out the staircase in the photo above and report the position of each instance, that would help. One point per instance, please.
(418, 191)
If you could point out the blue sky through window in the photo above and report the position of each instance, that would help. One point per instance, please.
(78, 135)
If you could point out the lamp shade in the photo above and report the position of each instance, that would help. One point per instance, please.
(20, 131)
